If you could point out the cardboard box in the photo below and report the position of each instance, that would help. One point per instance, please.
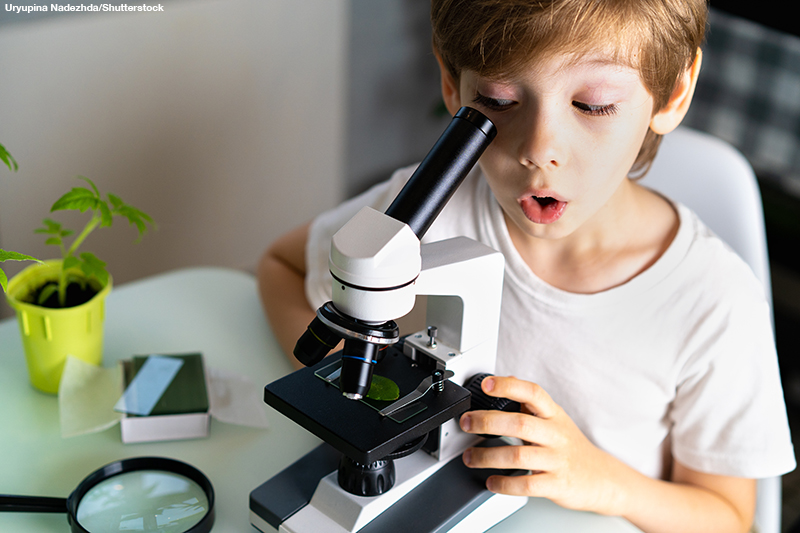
(182, 412)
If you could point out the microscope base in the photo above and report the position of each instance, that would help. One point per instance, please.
(453, 498)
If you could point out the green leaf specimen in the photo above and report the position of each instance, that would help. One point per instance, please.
(383, 389)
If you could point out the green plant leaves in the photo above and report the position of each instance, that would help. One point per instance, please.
(103, 212)
(47, 291)
(90, 182)
(71, 262)
(51, 227)
(115, 200)
(79, 198)
(92, 266)
(8, 159)
(106, 217)
(89, 265)
(136, 217)
(6, 255)
(83, 199)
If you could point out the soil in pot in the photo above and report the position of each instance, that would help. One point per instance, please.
(77, 294)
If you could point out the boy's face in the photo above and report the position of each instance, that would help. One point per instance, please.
(568, 134)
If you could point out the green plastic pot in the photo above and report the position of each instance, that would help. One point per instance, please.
(50, 335)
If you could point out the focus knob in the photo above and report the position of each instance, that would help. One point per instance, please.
(366, 480)
(483, 402)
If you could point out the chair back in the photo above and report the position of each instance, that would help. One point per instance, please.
(716, 181)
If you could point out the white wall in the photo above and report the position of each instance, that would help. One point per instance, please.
(222, 119)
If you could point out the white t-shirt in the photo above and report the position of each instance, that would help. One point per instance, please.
(679, 361)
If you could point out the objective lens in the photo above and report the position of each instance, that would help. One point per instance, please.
(358, 360)
(315, 343)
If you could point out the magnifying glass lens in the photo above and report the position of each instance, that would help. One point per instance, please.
(143, 500)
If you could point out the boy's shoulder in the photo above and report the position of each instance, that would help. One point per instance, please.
(711, 264)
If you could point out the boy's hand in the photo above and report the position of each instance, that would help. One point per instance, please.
(565, 466)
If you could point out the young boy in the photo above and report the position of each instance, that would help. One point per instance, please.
(641, 345)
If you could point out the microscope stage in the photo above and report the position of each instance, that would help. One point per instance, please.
(355, 428)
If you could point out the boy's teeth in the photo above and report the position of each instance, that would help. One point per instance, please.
(544, 200)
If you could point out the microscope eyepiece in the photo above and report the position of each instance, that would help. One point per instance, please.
(441, 171)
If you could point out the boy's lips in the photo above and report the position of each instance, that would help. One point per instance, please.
(543, 208)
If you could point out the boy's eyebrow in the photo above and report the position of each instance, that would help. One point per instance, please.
(604, 55)
(603, 62)
(602, 59)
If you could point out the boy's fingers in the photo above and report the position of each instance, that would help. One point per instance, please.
(520, 425)
(534, 397)
(536, 484)
(533, 458)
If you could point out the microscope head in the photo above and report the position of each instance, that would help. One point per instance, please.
(374, 262)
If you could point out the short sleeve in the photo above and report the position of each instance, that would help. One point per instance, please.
(729, 416)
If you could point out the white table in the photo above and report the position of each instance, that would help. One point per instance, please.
(214, 311)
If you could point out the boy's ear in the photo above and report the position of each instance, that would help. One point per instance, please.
(451, 92)
(668, 118)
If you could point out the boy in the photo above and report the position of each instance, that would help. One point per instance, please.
(641, 345)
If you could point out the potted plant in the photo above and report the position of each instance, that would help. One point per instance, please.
(60, 303)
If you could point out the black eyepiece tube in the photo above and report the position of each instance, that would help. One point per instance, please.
(443, 169)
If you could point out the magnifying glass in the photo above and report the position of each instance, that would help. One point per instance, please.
(136, 494)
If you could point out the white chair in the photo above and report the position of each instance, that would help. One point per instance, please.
(713, 179)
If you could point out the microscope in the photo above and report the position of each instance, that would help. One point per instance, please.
(394, 465)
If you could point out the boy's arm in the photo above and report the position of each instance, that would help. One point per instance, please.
(569, 470)
(281, 284)
(691, 501)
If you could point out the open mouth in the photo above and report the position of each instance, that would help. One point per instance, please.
(544, 201)
(543, 209)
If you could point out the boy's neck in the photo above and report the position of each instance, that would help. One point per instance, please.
(621, 241)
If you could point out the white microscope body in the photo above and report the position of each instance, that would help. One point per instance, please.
(463, 280)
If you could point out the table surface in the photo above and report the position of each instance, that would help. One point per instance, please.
(215, 311)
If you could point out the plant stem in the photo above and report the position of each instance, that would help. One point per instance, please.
(90, 226)
(62, 279)
(62, 287)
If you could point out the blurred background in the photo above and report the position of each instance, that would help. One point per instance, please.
(233, 121)
(229, 121)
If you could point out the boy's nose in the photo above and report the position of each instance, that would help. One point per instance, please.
(539, 144)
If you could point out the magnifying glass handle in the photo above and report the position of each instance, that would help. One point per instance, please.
(32, 504)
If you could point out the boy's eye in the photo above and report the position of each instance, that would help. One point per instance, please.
(595, 110)
(496, 104)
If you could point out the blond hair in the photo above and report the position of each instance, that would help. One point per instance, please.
(495, 38)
